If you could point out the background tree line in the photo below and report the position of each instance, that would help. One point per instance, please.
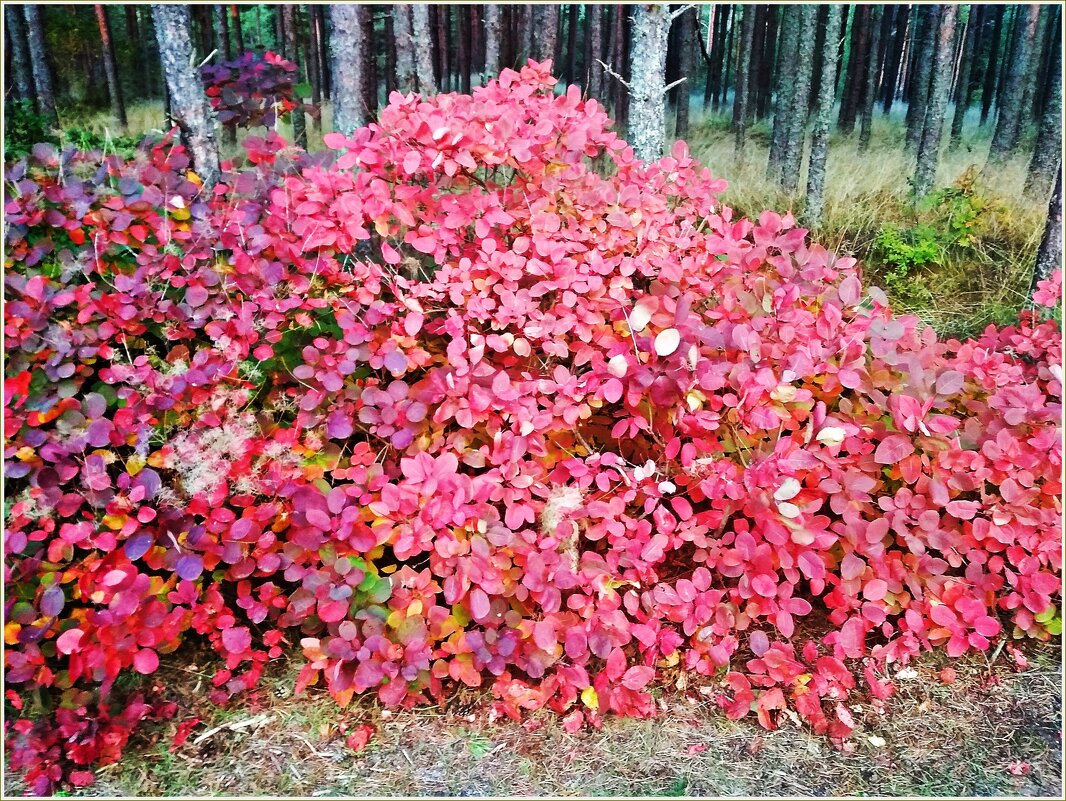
(807, 71)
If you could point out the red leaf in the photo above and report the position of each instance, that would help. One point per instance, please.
(893, 449)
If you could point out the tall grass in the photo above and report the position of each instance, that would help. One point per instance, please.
(866, 191)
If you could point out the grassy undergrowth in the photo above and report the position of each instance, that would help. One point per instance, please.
(969, 287)
(992, 731)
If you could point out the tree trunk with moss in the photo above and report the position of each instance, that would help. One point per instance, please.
(1049, 257)
(1009, 123)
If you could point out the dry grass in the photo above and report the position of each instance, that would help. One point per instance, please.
(865, 191)
(960, 739)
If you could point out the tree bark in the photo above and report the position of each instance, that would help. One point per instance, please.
(346, 45)
(462, 34)
(20, 55)
(403, 41)
(1049, 257)
(871, 77)
(594, 53)
(719, 55)
(936, 105)
(42, 74)
(492, 40)
(235, 26)
(420, 31)
(572, 19)
(1047, 152)
(686, 68)
(1051, 49)
(1008, 125)
(188, 104)
(444, 42)
(823, 119)
(727, 55)
(925, 47)
(765, 84)
(995, 43)
(545, 31)
(784, 87)
(221, 34)
(741, 97)
(854, 85)
(114, 84)
(299, 123)
(797, 124)
(477, 41)
(647, 106)
(894, 58)
(1032, 70)
(962, 97)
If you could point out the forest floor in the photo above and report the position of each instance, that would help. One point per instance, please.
(993, 731)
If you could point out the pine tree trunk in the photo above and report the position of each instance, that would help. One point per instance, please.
(462, 33)
(871, 77)
(728, 55)
(299, 123)
(1049, 257)
(420, 30)
(718, 54)
(346, 46)
(545, 31)
(647, 105)
(925, 47)
(936, 105)
(573, 13)
(188, 104)
(42, 74)
(444, 42)
(1008, 125)
(1047, 152)
(235, 26)
(221, 34)
(1032, 70)
(764, 87)
(114, 84)
(894, 57)
(853, 89)
(823, 119)
(755, 57)
(314, 58)
(492, 40)
(370, 76)
(797, 125)
(741, 98)
(686, 68)
(993, 68)
(594, 53)
(322, 24)
(784, 87)
(403, 41)
(523, 33)
(962, 98)
(1050, 48)
(20, 55)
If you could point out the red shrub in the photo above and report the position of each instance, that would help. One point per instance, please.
(484, 400)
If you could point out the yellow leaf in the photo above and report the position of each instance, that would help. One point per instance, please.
(590, 698)
(115, 522)
(135, 464)
(11, 633)
(25, 453)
